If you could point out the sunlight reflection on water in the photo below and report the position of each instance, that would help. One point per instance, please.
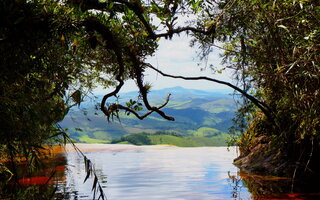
(156, 172)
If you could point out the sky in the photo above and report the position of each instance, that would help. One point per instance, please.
(176, 57)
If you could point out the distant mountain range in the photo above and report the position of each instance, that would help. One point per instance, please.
(197, 113)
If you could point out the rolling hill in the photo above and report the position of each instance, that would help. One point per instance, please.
(197, 113)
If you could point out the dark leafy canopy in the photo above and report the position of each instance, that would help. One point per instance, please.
(274, 48)
(33, 76)
(52, 51)
(39, 68)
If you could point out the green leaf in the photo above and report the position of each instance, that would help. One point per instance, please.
(76, 96)
(111, 5)
(284, 27)
(94, 183)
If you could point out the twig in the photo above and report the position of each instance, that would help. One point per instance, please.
(89, 167)
(310, 156)
(295, 170)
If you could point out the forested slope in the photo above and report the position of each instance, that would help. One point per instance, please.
(197, 113)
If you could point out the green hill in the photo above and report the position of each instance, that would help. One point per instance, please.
(163, 138)
(198, 114)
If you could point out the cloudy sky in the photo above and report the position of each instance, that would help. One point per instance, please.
(176, 57)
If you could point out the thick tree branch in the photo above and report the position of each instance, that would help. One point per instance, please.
(115, 107)
(96, 5)
(135, 6)
(143, 90)
(182, 29)
(93, 24)
(262, 106)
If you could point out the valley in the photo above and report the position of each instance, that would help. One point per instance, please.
(202, 118)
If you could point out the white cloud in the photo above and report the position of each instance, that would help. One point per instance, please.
(176, 57)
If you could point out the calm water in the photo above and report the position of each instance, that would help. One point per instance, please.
(129, 172)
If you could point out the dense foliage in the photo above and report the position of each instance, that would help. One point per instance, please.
(54, 51)
(44, 70)
(275, 45)
(274, 48)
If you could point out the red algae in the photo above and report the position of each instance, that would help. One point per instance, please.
(46, 176)
(52, 169)
(295, 196)
(59, 168)
(38, 180)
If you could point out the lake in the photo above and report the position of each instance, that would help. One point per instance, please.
(128, 172)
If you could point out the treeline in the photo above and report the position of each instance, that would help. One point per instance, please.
(172, 138)
(142, 138)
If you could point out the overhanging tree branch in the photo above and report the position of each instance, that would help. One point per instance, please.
(138, 70)
(124, 52)
(115, 107)
(93, 24)
(262, 106)
(182, 29)
(135, 6)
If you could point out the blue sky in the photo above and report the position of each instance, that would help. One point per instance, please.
(176, 57)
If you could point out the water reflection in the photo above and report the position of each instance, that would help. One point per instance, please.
(34, 183)
(270, 187)
(129, 172)
(157, 172)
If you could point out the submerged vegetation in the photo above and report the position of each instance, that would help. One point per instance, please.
(54, 52)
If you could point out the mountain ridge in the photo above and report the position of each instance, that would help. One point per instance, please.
(193, 110)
